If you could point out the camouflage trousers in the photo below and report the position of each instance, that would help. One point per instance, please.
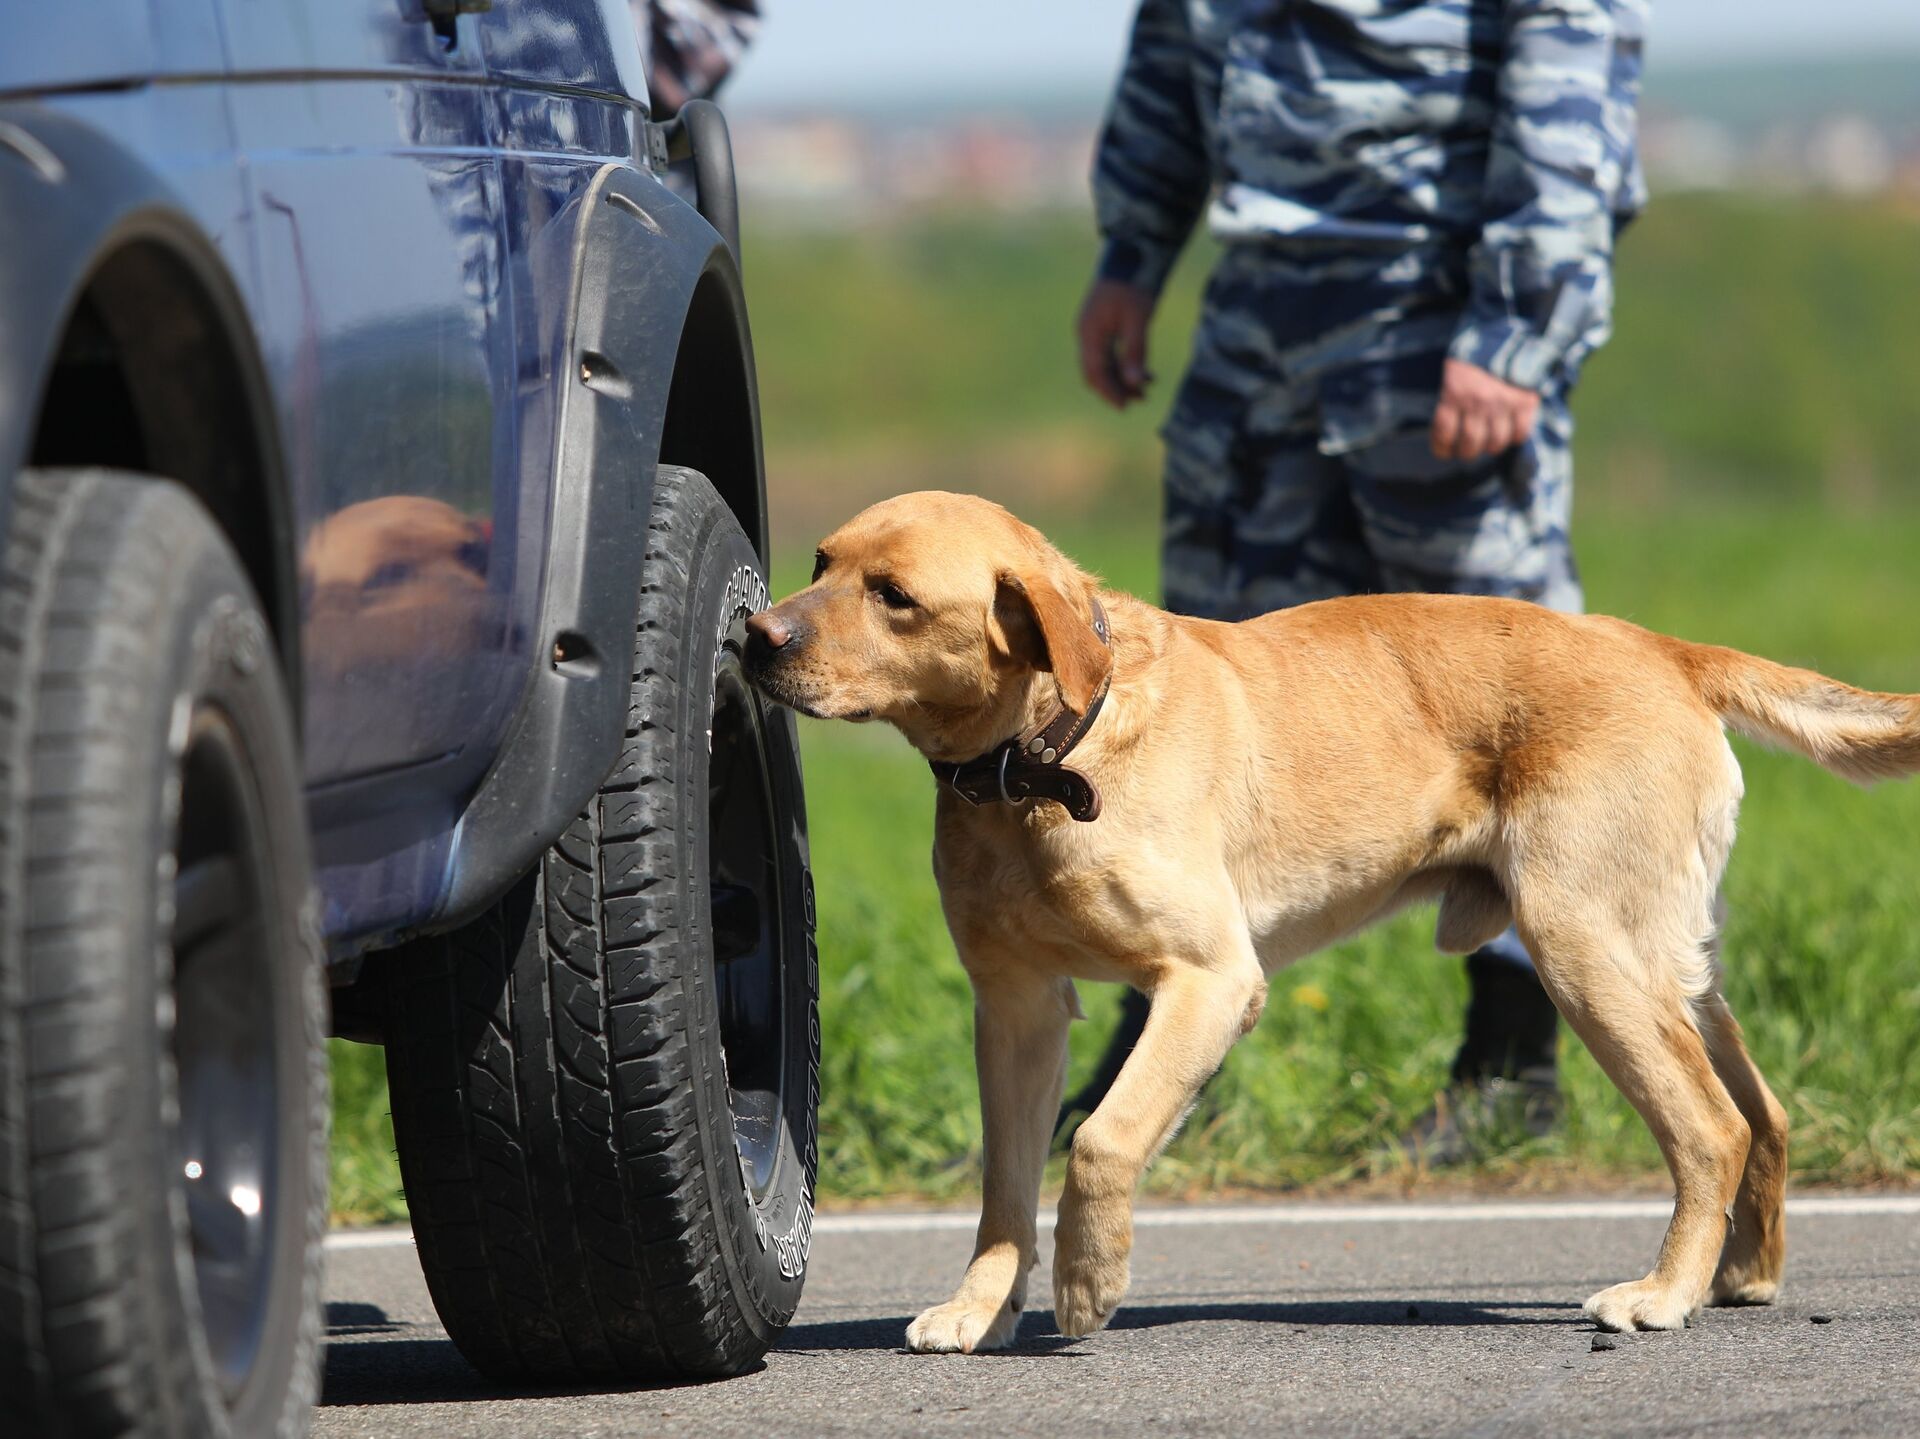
(1298, 459)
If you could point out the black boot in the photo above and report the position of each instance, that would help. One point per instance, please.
(1126, 1034)
(1512, 1027)
(1505, 1084)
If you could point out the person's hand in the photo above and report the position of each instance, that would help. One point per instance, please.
(1113, 341)
(1479, 414)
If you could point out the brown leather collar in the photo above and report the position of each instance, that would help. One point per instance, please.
(1032, 765)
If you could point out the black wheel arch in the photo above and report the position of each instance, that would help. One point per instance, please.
(712, 420)
(127, 344)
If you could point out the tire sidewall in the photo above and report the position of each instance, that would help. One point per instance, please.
(764, 1241)
(210, 648)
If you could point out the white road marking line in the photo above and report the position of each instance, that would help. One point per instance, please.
(384, 1237)
(1381, 1212)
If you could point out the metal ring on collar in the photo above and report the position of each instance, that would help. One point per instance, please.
(1006, 753)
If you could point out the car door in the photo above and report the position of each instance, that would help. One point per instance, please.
(383, 297)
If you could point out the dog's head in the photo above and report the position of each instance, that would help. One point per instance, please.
(936, 613)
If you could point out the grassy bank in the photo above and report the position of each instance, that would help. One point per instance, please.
(1763, 348)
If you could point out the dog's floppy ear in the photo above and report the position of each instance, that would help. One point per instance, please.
(1049, 631)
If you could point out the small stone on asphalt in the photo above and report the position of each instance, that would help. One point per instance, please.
(1821, 1318)
(1602, 1342)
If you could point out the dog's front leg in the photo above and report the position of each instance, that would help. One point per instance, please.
(1020, 1048)
(1196, 1016)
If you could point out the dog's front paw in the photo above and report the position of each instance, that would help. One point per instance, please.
(960, 1327)
(1088, 1286)
(1641, 1304)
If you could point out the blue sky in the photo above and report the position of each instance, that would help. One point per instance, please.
(830, 52)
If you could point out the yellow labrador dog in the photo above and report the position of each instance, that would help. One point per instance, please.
(1187, 806)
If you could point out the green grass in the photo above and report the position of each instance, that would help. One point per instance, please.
(1763, 346)
(1823, 945)
(366, 1177)
(1749, 474)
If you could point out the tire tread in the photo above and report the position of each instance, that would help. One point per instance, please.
(85, 1346)
(601, 1205)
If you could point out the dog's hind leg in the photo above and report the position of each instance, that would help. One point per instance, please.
(1633, 1013)
(1756, 1249)
(1020, 1020)
(1196, 1015)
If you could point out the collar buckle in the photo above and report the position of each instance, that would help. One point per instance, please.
(1037, 762)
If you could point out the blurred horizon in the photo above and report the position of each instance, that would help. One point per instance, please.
(914, 265)
(858, 52)
(1843, 125)
(1883, 78)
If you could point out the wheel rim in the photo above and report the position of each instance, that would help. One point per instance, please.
(744, 877)
(227, 1137)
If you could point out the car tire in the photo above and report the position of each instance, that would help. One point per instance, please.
(163, 1083)
(604, 1089)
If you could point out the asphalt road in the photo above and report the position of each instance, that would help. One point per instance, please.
(1306, 1320)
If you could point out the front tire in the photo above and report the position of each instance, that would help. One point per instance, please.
(604, 1089)
(163, 1085)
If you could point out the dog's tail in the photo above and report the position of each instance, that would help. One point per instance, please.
(1858, 734)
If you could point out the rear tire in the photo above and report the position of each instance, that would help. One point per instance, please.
(604, 1088)
(163, 1084)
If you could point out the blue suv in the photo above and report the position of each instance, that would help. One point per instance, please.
(381, 502)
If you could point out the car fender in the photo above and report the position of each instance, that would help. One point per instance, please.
(71, 197)
(645, 269)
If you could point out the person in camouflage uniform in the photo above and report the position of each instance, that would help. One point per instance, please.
(1417, 202)
(691, 46)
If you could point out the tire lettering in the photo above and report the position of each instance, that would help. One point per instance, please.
(791, 1249)
(746, 591)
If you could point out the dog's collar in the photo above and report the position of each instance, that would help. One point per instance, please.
(1032, 765)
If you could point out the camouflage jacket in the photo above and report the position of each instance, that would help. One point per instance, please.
(1499, 132)
(691, 45)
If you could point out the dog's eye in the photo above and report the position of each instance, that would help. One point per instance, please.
(893, 597)
(819, 563)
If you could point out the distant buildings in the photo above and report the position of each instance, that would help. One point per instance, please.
(1838, 153)
(827, 167)
(832, 168)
